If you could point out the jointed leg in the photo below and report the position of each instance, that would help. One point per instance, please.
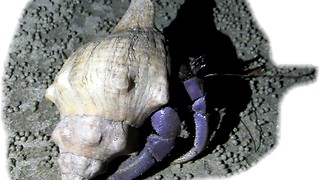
(195, 91)
(167, 125)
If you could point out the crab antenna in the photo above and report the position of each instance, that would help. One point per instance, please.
(257, 73)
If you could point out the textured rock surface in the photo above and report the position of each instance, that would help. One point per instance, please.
(245, 110)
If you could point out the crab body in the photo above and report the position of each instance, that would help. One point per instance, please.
(105, 91)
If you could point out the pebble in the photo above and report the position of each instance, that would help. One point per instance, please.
(175, 177)
(189, 176)
(235, 142)
(224, 157)
(158, 177)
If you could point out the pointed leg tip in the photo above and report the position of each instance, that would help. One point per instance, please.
(186, 157)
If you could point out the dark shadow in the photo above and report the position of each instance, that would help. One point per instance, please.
(191, 35)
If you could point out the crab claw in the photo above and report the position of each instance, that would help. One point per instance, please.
(167, 125)
(195, 91)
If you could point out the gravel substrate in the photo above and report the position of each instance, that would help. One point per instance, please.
(243, 108)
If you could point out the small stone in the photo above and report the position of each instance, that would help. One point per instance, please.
(27, 133)
(158, 177)
(175, 177)
(21, 157)
(48, 165)
(223, 166)
(43, 163)
(223, 157)
(19, 147)
(48, 158)
(46, 138)
(12, 148)
(55, 153)
(241, 158)
(267, 134)
(11, 139)
(235, 129)
(178, 166)
(235, 142)
(31, 137)
(189, 176)
(23, 139)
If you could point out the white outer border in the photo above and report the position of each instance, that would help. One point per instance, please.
(292, 27)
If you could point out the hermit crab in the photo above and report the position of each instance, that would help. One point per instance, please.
(108, 88)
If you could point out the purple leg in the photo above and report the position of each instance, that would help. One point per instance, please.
(194, 88)
(167, 125)
(195, 91)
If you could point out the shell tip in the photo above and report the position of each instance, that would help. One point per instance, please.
(140, 14)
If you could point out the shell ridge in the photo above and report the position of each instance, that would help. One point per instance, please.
(77, 58)
(102, 72)
(67, 68)
(131, 58)
(134, 72)
(106, 69)
(74, 78)
(115, 75)
(147, 92)
(107, 77)
(85, 78)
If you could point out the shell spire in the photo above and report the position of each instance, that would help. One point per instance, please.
(105, 90)
(122, 77)
(140, 14)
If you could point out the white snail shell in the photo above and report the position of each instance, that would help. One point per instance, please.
(105, 88)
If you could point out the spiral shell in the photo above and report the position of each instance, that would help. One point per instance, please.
(107, 88)
(122, 77)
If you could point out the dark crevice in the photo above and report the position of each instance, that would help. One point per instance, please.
(192, 35)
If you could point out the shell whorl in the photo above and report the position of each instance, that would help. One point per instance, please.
(122, 77)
